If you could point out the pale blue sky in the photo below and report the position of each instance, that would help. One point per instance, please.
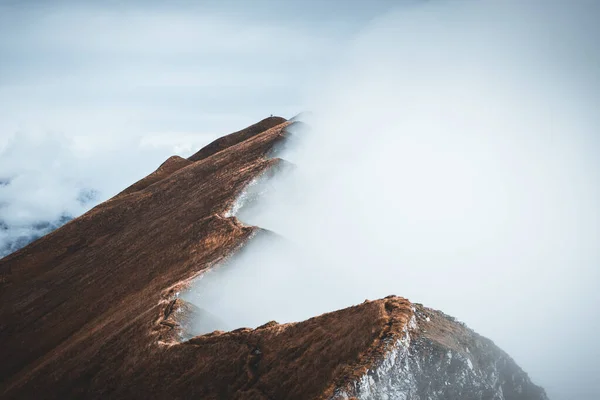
(168, 65)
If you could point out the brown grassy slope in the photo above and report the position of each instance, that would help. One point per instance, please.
(236, 137)
(80, 309)
(130, 245)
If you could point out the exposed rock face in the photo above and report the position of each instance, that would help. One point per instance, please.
(440, 358)
(89, 311)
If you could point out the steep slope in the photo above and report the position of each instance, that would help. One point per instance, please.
(235, 138)
(89, 311)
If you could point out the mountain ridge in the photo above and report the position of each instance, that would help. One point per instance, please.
(91, 310)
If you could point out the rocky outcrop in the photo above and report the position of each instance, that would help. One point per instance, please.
(90, 310)
(440, 358)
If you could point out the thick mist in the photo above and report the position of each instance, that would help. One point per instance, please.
(451, 160)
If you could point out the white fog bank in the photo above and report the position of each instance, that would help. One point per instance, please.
(452, 160)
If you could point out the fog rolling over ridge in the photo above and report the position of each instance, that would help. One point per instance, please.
(451, 156)
(452, 160)
(96, 95)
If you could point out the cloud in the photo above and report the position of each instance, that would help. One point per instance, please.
(452, 160)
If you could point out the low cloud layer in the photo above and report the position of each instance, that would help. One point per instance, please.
(49, 178)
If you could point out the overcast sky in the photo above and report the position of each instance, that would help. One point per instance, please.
(454, 148)
(95, 95)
